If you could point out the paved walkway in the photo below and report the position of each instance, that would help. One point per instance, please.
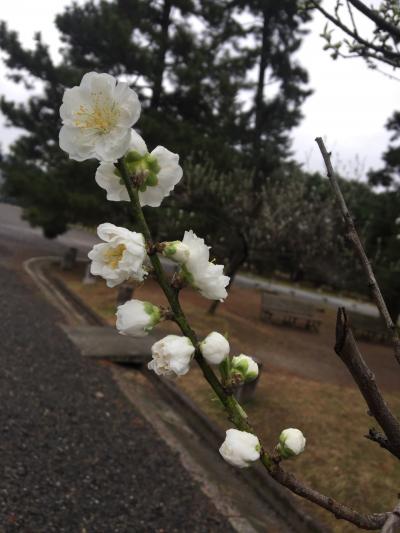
(75, 456)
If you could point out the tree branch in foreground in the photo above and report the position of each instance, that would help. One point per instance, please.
(348, 351)
(365, 521)
(235, 412)
(353, 237)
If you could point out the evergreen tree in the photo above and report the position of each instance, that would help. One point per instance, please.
(191, 65)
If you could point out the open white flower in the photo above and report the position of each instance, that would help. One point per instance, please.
(97, 118)
(291, 443)
(159, 170)
(240, 448)
(215, 348)
(171, 356)
(136, 318)
(208, 278)
(246, 366)
(120, 257)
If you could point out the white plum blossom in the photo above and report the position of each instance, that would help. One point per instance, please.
(97, 118)
(136, 318)
(159, 172)
(171, 356)
(120, 257)
(208, 278)
(176, 250)
(246, 366)
(240, 448)
(291, 443)
(215, 348)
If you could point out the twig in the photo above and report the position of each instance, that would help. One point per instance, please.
(381, 22)
(365, 521)
(348, 351)
(352, 235)
(389, 57)
(392, 524)
(380, 439)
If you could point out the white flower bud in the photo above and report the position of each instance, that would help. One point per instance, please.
(177, 251)
(215, 348)
(171, 356)
(246, 366)
(291, 443)
(136, 318)
(240, 448)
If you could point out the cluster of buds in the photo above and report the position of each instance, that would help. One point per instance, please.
(97, 118)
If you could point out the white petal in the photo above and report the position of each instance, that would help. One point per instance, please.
(137, 143)
(107, 179)
(129, 104)
(92, 81)
(112, 146)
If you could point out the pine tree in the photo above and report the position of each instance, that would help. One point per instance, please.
(190, 64)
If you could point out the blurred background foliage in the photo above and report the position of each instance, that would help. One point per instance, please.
(219, 84)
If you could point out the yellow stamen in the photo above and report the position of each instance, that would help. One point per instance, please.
(113, 256)
(103, 115)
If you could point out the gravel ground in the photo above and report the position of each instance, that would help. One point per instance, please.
(74, 454)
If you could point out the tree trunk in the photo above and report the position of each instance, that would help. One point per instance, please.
(162, 53)
(258, 102)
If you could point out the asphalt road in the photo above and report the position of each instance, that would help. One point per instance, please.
(75, 456)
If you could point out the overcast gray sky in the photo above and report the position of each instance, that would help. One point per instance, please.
(349, 107)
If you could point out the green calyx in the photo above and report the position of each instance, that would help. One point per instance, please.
(187, 276)
(154, 313)
(170, 249)
(242, 365)
(283, 450)
(144, 167)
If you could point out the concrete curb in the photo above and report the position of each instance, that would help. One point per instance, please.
(283, 503)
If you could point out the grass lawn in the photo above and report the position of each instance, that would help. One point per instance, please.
(302, 385)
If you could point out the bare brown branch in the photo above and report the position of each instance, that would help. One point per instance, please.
(348, 351)
(392, 524)
(365, 521)
(380, 439)
(352, 235)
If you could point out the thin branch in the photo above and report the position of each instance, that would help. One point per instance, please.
(353, 22)
(388, 56)
(352, 235)
(380, 439)
(347, 349)
(381, 22)
(392, 524)
(365, 521)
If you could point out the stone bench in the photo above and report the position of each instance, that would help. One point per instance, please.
(288, 311)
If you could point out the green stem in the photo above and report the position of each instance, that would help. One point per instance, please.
(236, 413)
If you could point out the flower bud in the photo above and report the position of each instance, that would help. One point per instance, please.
(171, 356)
(215, 348)
(246, 366)
(240, 448)
(136, 318)
(291, 443)
(177, 251)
